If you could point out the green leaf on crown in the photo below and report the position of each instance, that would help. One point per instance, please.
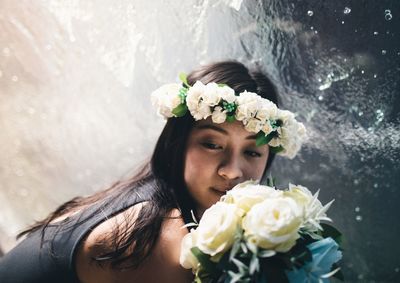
(275, 123)
(276, 149)
(262, 139)
(230, 118)
(182, 94)
(183, 78)
(180, 110)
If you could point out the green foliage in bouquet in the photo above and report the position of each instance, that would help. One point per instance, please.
(303, 249)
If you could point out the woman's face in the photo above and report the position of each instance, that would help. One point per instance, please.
(218, 157)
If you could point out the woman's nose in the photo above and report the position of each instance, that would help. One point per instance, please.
(231, 168)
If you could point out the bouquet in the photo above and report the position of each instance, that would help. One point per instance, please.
(256, 233)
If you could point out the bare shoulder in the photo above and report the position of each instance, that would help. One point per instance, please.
(161, 266)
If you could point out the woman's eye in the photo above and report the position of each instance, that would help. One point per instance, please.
(210, 145)
(252, 153)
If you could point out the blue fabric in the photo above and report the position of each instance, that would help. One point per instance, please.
(324, 254)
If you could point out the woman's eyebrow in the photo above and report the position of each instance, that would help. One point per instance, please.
(212, 127)
(221, 130)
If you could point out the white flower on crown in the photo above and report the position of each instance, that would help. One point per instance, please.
(253, 125)
(227, 94)
(219, 115)
(256, 113)
(211, 95)
(275, 142)
(285, 116)
(248, 104)
(165, 99)
(203, 111)
(194, 101)
(268, 110)
(291, 134)
(267, 128)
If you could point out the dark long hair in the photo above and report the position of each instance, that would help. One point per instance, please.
(163, 174)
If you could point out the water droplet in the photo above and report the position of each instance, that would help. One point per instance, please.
(342, 22)
(320, 98)
(355, 30)
(375, 185)
(345, 59)
(346, 10)
(360, 113)
(319, 80)
(311, 28)
(376, 33)
(362, 159)
(14, 78)
(359, 218)
(315, 31)
(356, 182)
(310, 13)
(397, 269)
(375, 76)
(360, 276)
(357, 209)
(383, 52)
(362, 71)
(388, 15)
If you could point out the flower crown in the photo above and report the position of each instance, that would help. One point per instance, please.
(277, 128)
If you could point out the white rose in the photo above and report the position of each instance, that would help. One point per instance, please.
(285, 116)
(313, 210)
(292, 135)
(217, 228)
(193, 96)
(248, 104)
(201, 112)
(267, 110)
(253, 125)
(267, 128)
(247, 194)
(275, 142)
(273, 224)
(166, 98)
(187, 258)
(211, 95)
(227, 94)
(218, 115)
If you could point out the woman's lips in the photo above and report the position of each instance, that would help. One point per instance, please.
(220, 191)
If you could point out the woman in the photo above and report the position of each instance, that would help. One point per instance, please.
(132, 231)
